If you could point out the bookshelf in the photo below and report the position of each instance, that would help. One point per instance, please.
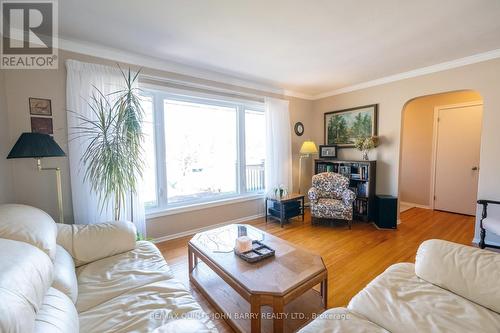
(362, 180)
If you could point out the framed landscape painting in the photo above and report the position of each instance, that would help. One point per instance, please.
(344, 126)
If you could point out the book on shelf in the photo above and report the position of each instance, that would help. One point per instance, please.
(362, 190)
(360, 207)
(345, 170)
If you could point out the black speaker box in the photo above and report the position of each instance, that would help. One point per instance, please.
(386, 215)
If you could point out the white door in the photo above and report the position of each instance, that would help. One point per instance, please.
(457, 158)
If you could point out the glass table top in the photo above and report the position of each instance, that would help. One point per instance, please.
(223, 239)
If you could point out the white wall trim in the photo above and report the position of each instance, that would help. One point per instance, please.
(212, 226)
(414, 205)
(171, 66)
(203, 205)
(480, 57)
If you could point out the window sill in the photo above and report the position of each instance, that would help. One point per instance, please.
(154, 213)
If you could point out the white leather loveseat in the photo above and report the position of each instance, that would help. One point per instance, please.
(86, 278)
(450, 288)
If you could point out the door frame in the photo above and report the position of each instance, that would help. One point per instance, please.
(435, 129)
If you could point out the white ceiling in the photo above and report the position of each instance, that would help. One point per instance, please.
(305, 46)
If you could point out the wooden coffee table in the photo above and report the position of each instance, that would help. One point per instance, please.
(275, 294)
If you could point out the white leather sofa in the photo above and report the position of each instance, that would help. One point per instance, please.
(87, 278)
(450, 288)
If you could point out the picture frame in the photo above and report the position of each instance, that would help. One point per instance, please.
(42, 125)
(327, 151)
(342, 127)
(40, 106)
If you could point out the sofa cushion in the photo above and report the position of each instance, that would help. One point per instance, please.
(331, 204)
(330, 208)
(25, 275)
(467, 271)
(400, 301)
(492, 224)
(340, 320)
(138, 281)
(185, 326)
(64, 274)
(91, 242)
(143, 309)
(105, 279)
(57, 314)
(30, 225)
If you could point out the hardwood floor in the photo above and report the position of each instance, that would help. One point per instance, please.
(353, 257)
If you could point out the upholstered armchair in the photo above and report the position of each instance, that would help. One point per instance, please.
(331, 197)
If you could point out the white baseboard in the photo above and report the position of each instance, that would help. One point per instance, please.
(475, 241)
(208, 227)
(414, 205)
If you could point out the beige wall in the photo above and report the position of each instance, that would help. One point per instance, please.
(36, 189)
(482, 77)
(5, 168)
(416, 143)
(33, 188)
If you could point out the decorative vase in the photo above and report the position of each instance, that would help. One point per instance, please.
(280, 192)
(365, 155)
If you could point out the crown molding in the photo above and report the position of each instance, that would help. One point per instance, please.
(137, 59)
(480, 57)
(196, 72)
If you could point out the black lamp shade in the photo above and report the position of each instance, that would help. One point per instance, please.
(35, 145)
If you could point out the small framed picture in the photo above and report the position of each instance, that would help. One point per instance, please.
(40, 106)
(41, 125)
(327, 151)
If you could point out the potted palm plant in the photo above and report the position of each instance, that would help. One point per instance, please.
(112, 160)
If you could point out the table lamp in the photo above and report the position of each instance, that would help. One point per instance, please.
(37, 146)
(308, 148)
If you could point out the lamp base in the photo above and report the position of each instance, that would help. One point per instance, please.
(58, 185)
(300, 170)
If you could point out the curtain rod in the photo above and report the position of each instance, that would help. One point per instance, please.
(200, 87)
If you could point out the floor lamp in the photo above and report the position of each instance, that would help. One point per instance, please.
(37, 146)
(308, 148)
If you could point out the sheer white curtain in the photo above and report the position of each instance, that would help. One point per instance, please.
(80, 83)
(278, 144)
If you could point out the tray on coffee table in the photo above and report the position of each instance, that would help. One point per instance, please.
(258, 252)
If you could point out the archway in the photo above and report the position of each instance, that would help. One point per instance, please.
(419, 149)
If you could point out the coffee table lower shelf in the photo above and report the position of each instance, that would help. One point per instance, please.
(236, 311)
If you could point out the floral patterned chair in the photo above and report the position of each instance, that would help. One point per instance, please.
(331, 197)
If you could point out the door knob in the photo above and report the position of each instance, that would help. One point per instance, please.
(475, 168)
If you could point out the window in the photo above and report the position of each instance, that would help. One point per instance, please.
(201, 149)
(149, 175)
(255, 149)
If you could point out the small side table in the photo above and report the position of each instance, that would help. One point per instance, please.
(282, 201)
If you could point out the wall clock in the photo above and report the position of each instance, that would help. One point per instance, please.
(299, 128)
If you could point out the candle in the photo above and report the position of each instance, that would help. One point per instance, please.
(243, 244)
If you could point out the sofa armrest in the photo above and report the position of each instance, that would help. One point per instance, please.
(313, 195)
(91, 242)
(464, 270)
(348, 197)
